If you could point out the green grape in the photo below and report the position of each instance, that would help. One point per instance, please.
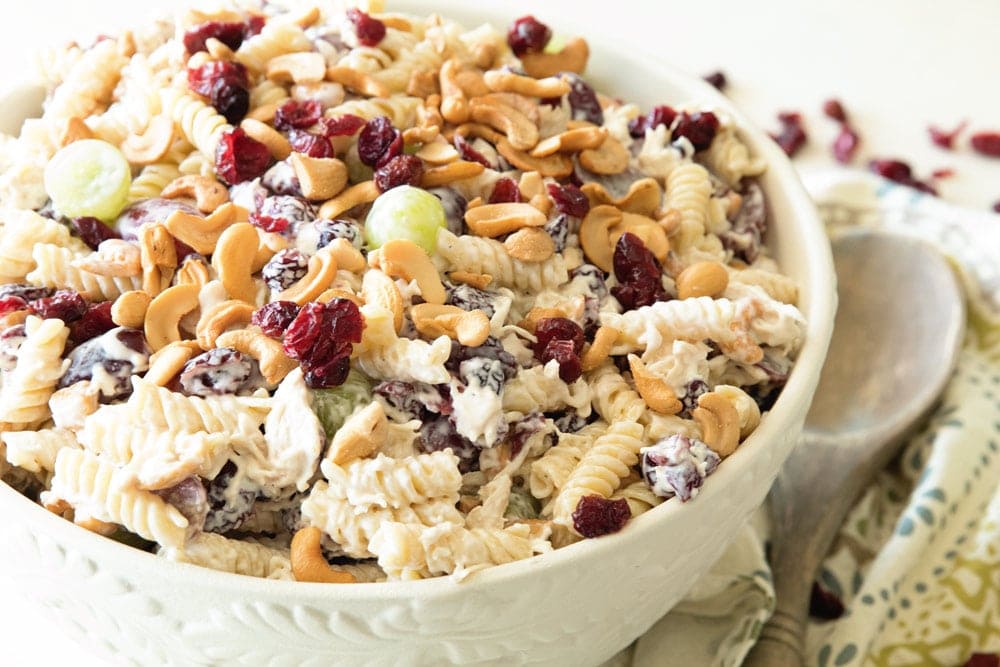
(89, 177)
(522, 505)
(334, 405)
(405, 212)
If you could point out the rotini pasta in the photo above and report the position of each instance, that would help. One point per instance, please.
(54, 267)
(25, 392)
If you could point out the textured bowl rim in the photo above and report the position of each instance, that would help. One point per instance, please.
(819, 288)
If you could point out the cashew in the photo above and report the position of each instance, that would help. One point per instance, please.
(454, 105)
(571, 309)
(608, 158)
(362, 435)
(477, 280)
(347, 256)
(113, 257)
(303, 67)
(657, 394)
(379, 289)
(707, 278)
(74, 130)
(220, 318)
(719, 422)
(362, 193)
(643, 196)
(233, 261)
(335, 293)
(200, 233)
(129, 309)
(265, 113)
(269, 244)
(437, 151)
(193, 270)
(497, 219)
(525, 105)
(320, 273)
(357, 81)
(168, 361)
(557, 165)
(479, 131)
(277, 144)
(746, 407)
(270, 355)
(470, 328)
(598, 352)
(13, 318)
(208, 193)
(96, 525)
(572, 58)
(218, 50)
(571, 141)
(405, 259)
(165, 312)
(319, 177)
(652, 235)
(423, 83)
(530, 244)
(421, 135)
(308, 17)
(520, 131)
(595, 235)
(158, 256)
(531, 184)
(435, 177)
(308, 563)
(151, 145)
(509, 82)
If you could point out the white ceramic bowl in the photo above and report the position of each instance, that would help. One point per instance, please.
(575, 606)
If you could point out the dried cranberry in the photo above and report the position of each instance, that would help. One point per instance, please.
(528, 35)
(313, 145)
(570, 366)
(400, 170)
(440, 434)
(750, 224)
(274, 318)
(285, 269)
(569, 199)
(699, 128)
(144, 211)
(294, 114)
(558, 230)
(95, 322)
(231, 101)
(379, 142)
(491, 349)
(595, 516)
(996, 206)
(943, 172)
(946, 139)
(9, 304)
(25, 292)
(92, 231)
(190, 499)
(321, 338)
(230, 33)
(824, 604)
(898, 171)
(524, 428)
(11, 340)
(469, 153)
(370, 31)
(832, 108)
(505, 191)
(203, 79)
(716, 79)
(240, 158)
(557, 328)
(845, 145)
(287, 209)
(792, 135)
(583, 100)
(693, 390)
(637, 272)
(65, 305)
(416, 400)
(219, 371)
(269, 223)
(658, 115)
(328, 231)
(344, 126)
(254, 25)
(983, 660)
(986, 143)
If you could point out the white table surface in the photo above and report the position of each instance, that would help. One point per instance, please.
(897, 65)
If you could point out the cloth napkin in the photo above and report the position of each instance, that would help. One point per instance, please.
(917, 562)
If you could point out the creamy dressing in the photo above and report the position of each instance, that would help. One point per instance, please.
(477, 406)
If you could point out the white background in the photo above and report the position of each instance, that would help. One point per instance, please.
(897, 66)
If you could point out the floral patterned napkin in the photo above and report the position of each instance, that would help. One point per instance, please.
(917, 563)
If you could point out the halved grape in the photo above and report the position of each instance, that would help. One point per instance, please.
(405, 212)
(89, 177)
(334, 405)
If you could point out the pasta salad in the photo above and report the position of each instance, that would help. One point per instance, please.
(354, 296)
